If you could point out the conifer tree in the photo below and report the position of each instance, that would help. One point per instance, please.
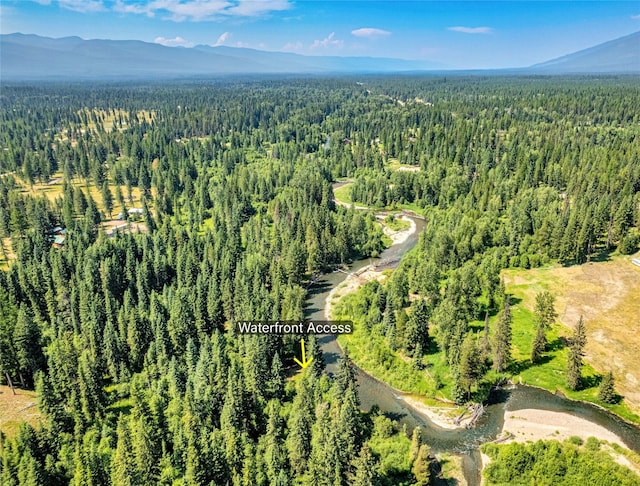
(606, 391)
(458, 392)
(317, 365)
(365, 467)
(107, 198)
(26, 338)
(539, 344)
(416, 442)
(422, 466)
(300, 423)
(545, 314)
(346, 374)
(123, 466)
(502, 339)
(274, 452)
(323, 459)
(471, 367)
(576, 352)
(276, 382)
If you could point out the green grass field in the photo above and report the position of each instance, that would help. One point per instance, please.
(372, 354)
(396, 224)
(343, 196)
(343, 193)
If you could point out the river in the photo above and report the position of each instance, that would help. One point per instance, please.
(464, 442)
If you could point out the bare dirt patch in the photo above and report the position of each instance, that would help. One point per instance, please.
(607, 295)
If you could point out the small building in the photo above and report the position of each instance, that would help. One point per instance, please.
(636, 261)
(135, 213)
(58, 241)
(57, 237)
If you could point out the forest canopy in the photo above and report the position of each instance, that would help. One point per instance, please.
(140, 222)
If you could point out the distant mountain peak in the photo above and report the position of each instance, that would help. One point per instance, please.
(621, 55)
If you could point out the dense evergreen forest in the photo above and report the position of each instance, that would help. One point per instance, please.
(125, 328)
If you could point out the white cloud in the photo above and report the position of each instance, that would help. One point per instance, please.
(328, 41)
(224, 37)
(472, 30)
(253, 8)
(200, 10)
(292, 47)
(636, 17)
(370, 32)
(83, 6)
(134, 8)
(177, 41)
(43, 2)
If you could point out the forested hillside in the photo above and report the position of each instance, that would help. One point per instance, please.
(125, 329)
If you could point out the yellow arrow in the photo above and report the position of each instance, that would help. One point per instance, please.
(304, 363)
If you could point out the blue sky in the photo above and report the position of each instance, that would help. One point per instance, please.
(470, 34)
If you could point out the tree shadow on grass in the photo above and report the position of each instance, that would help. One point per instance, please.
(433, 347)
(590, 381)
(517, 367)
(514, 300)
(121, 408)
(601, 256)
(557, 344)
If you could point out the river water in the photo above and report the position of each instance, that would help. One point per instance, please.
(464, 442)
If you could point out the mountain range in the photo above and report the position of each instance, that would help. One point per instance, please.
(28, 56)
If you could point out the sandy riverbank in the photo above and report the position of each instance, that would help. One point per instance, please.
(353, 282)
(441, 416)
(401, 236)
(533, 425)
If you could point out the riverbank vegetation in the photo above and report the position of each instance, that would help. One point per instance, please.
(572, 462)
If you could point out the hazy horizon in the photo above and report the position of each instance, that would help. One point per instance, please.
(460, 35)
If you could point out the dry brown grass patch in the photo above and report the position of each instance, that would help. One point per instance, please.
(23, 406)
(607, 294)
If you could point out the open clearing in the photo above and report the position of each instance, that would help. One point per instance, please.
(23, 406)
(607, 294)
(53, 190)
